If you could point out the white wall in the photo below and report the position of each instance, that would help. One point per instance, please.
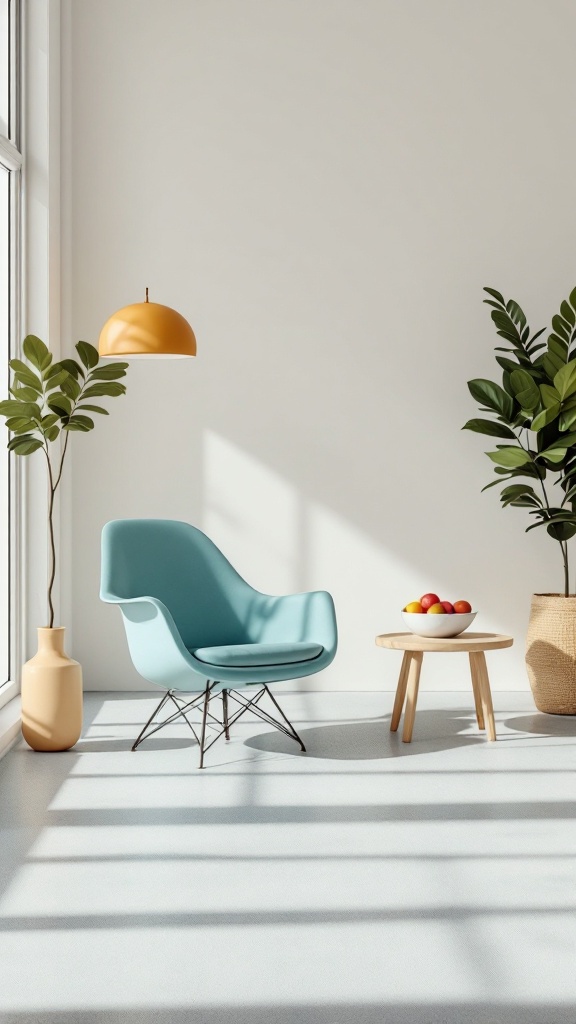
(322, 187)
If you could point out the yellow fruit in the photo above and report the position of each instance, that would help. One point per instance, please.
(414, 607)
(437, 609)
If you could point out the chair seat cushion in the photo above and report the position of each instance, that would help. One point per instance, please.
(258, 655)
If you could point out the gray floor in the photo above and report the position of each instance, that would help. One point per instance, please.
(366, 881)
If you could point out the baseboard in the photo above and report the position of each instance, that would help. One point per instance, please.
(10, 730)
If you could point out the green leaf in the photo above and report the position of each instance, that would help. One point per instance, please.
(572, 298)
(496, 295)
(51, 433)
(568, 313)
(567, 419)
(558, 347)
(60, 404)
(36, 352)
(509, 457)
(25, 375)
(20, 424)
(50, 420)
(570, 472)
(545, 417)
(514, 491)
(52, 371)
(512, 338)
(75, 422)
(570, 493)
(525, 389)
(507, 364)
(113, 390)
(57, 379)
(11, 407)
(108, 372)
(566, 440)
(88, 354)
(516, 313)
(71, 387)
(492, 484)
(560, 327)
(481, 426)
(565, 380)
(25, 446)
(73, 367)
(524, 501)
(551, 363)
(486, 393)
(98, 408)
(505, 323)
(561, 531)
(24, 394)
(549, 395)
(555, 454)
(535, 336)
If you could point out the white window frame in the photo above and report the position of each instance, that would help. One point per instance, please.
(12, 159)
(36, 306)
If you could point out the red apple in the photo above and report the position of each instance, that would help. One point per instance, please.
(428, 600)
(462, 607)
(448, 608)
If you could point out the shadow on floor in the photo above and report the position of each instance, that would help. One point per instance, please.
(372, 740)
(539, 724)
(383, 1013)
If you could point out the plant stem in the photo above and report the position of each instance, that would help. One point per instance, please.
(52, 544)
(53, 488)
(564, 546)
(58, 478)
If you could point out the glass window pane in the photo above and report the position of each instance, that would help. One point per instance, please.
(4, 463)
(4, 66)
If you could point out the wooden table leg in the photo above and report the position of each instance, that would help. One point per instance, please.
(400, 691)
(412, 695)
(477, 690)
(477, 658)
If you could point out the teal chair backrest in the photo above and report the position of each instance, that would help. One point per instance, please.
(178, 564)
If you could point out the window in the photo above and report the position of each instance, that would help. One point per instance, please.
(10, 278)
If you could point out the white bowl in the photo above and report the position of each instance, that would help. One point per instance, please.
(438, 625)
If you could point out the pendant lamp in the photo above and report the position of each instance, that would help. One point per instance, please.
(147, 329)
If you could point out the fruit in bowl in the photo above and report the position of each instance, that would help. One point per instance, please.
(431, 617)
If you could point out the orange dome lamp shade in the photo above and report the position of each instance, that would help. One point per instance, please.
(147, 329)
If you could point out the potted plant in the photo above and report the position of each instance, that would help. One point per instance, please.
(533, 414)
(48, 401)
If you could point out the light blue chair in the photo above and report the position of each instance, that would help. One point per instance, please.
(195, 626)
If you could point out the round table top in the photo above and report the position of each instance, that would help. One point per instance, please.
(464, 642)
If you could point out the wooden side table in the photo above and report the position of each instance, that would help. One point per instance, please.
(414, 647)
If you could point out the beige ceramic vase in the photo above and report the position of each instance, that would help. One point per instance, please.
(551, 653)
(51, 695)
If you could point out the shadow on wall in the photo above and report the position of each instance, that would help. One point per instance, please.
(320, 524)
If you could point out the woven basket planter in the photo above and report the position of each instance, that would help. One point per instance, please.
(551, 653)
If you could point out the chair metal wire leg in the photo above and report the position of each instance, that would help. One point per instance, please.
(204, 717)
(253, 705)
(152, 717)
(288, 723)
(225, 713)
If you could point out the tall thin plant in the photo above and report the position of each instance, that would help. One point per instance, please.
(50, 400)
(534, 412)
